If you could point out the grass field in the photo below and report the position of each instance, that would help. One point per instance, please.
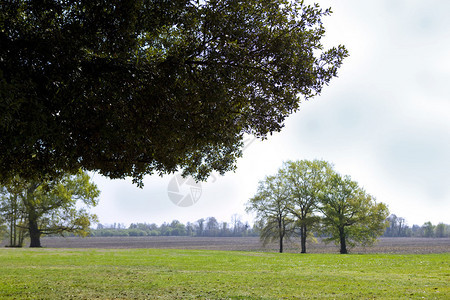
(205, 274)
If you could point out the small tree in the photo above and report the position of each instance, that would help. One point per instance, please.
(271, 205)
(11, 208)
(190, 229)
(177, 228)
(54, 205)
(212, 226)
(224, 230)
(440, 230)
(428, 229)
(200, 228)
(351, 216)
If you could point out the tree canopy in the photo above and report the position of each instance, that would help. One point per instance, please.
(271, 205)
(351, 215)
(130, 88)
(304, 179)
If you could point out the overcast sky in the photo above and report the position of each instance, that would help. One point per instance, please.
(384, 121)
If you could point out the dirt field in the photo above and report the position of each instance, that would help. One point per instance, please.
(384, 245)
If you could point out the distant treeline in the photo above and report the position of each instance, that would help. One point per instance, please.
(202, 227)
(398, 228)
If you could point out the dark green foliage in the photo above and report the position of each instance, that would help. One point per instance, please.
(130, 88)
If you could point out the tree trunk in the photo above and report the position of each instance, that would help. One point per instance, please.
(14, 232)
(21, 237)
(342, 240)
(303, 238)
(12, 242)
(281, 243)
(35, 234)
(281, 232)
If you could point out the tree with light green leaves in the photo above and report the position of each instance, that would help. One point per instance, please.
(428, 229)
(306, 195)
(12, 210)
(440, 230)
(53, 206)
(350, 215)
(271, 205)
(304, 180)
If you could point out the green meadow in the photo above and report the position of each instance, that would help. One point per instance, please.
(200, 274)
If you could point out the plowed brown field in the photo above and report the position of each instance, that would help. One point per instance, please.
(384, 245)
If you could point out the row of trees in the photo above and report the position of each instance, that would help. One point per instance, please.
(202, 227)
(396, 227)
(399, 228)
(31, 208)
(309, 196)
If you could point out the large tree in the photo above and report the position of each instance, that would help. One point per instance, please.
(271, 205)
(304, 180)
(351, 216)
(56, 205)
(132, 87)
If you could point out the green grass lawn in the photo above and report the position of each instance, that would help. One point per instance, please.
(183, 274)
